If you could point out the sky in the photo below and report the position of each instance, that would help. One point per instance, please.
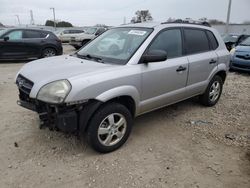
(113, 12)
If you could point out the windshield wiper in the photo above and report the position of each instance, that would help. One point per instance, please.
(88, 57)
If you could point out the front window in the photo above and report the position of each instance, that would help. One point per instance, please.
(15, 35)
(245, 42)
(2, 31)
(117, 45)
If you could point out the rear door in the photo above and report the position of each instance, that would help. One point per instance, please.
(202, 59)
(33, 40)
(14, 47)
(164, 82)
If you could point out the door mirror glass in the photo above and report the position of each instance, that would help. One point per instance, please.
(154, 56)
(6, 38)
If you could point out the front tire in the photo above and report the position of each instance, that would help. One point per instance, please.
(109, 128)
(213, 92)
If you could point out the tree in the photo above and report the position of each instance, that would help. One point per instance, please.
(215, 22)
(246, 22)
(64, 24)
(49, 23)
(58, 24)
(142, 16)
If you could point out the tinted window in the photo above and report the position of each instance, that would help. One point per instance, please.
(43, 34)
(31, 34)
(196, 41)
(76, 31)
(212, 39)
(169, 41)
(66, 32)
(15, 35)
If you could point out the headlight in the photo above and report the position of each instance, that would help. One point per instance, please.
(232, 51)
(54, 92)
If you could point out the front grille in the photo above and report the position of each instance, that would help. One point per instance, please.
(246, 57)
(24, 85)
(242, 66)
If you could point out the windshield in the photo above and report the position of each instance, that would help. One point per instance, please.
(117, 45)
(91, 30)
(2, 31)
(245, 42)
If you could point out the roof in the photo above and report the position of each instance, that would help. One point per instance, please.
(158, 24)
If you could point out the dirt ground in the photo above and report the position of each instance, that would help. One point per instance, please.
(184, 145)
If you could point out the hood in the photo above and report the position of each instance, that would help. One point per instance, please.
(61, 67)
(242, 49)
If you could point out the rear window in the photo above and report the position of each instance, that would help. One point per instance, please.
(196, 41)
(31, 34)
(213, 40)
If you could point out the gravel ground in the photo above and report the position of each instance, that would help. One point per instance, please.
(184, 145)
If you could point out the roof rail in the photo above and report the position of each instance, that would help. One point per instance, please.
(204, 23)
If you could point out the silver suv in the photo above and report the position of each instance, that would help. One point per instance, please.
(123, 73)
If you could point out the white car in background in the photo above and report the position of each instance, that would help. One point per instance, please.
(83, 38)
(66, 34)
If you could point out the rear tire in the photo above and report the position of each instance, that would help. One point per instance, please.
(213, 92)
(109, 128)
(48, 52)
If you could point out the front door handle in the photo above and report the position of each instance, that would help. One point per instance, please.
(181, 68)
(212, 61)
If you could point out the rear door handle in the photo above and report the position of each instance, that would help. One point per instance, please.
(212, 61)
(181, 68)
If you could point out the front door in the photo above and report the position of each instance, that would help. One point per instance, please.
(14, 46)
(164, 82)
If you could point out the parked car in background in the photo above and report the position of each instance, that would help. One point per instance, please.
(240, 56)
(21, 43)
(89, 34)
(233, 40)
(65, 34)
(99, 92)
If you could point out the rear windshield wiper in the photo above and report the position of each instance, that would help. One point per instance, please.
(88, 57)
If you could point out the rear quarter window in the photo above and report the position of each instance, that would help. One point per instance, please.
(196, 41)
(213, 41)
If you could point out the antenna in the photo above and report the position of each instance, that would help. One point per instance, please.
(32, 22)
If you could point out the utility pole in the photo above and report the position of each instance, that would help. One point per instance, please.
(54, 15)
(32, 22)
(19, 23)
(124, 20)
(228, 16)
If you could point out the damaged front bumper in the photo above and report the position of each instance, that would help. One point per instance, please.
(55, 117)
(71, 117)
(60, 117)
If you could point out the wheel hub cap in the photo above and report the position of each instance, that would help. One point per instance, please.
(112, 129)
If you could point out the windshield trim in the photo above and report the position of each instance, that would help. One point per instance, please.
(107, 60)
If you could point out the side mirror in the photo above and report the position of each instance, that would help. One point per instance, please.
(154, 56)
(6, 39)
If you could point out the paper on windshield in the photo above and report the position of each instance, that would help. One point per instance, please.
(137, 32)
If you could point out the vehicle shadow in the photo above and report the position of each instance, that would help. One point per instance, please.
(239, 72)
